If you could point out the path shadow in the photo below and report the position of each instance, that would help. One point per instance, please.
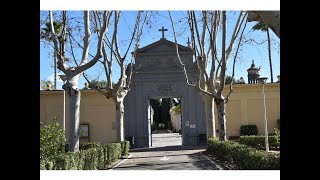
(167, 148)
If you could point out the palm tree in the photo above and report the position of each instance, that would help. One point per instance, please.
(45, 34)
(265, 28)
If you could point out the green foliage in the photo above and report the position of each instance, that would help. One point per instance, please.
(88, 145)
(229, 79)
(45, 32)
(52, 140)
(247, 130)
(96, 157)
(244, 157)
(260, 26)
(177, 108)
(165, 115)
(125, 145)
(259, 141)
(67, 161)
(100, 84)
(44, 85)
(114, 151)
(46, 164)
(277, 136)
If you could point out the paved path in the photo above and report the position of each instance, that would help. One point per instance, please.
(169, 157)
(166, 139)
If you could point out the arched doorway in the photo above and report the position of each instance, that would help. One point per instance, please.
(158, 74)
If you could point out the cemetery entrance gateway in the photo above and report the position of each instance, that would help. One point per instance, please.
(158, 73)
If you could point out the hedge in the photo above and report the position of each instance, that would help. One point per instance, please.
(88, 145)
(247, 130)
(125, 145)
(97, 157)
(244, 157)
(114, 151)
(259, 141)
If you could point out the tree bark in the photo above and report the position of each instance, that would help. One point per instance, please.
(269, 50)
(119, 121)
(210, 121)
(71, 87)
(55, 69)
(221, 107)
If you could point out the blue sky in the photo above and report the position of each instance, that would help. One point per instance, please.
(256, 51)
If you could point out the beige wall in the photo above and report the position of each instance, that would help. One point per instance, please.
(95, 110)
(244, 107)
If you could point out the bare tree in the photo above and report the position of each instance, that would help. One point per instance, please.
(111, 52)
(73, 73)
(211, 83)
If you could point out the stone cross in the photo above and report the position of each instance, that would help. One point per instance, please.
(163, 30)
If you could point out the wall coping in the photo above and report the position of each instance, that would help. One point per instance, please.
(236, 87)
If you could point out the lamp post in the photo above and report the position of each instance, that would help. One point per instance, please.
(63, 77)
(263, 81)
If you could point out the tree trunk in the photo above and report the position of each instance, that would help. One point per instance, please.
(55, 69)
(71, 87)
(210, 121)
(221, 107)
(119, 119)
(269, 50)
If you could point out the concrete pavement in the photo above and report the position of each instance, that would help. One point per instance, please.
(167, 153)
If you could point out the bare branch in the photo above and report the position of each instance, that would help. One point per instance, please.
(87, 37)
(213, 46)
(235, 34)
(197, 32)
(191, 26)
(99, 49)
(133, 33)
(128, 81)
(204, 17)
(223, 58)
(233, 38)
(115, 34)
(70, 35)
(61, 64)
(177, 51)
(234, 62)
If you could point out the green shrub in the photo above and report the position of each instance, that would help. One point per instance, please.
(66, 161)
(114, 151)
(247, 130)
(259, 141)
(125, 145)
(52, 140)
(88, 145)
(277, 135)
(90, 159)
(46, 164)
(243, 156)
(105, 155)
